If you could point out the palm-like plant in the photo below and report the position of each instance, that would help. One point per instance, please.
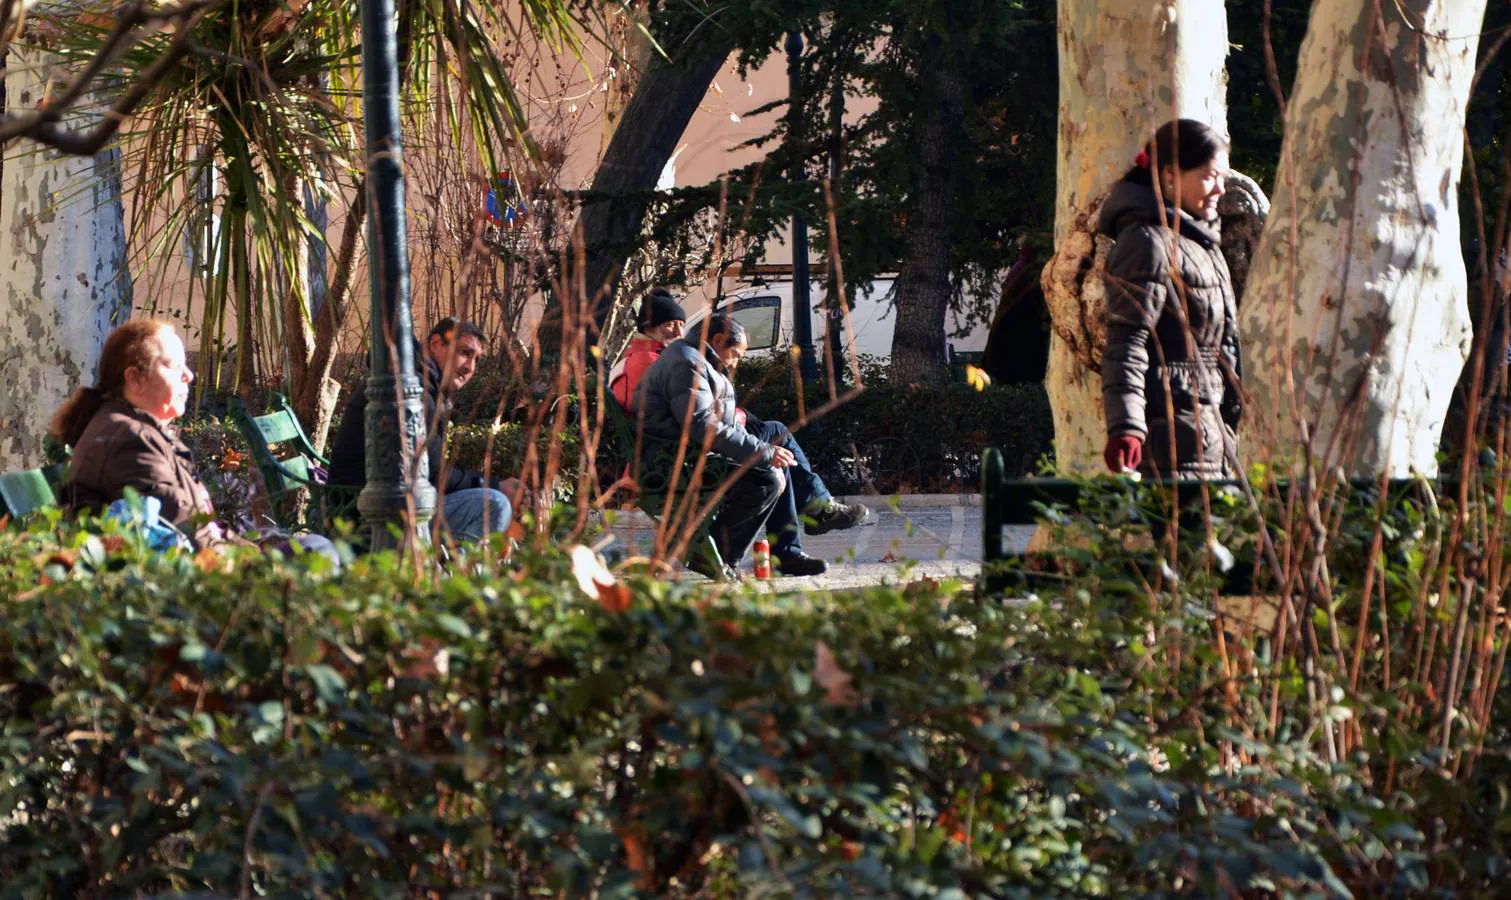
(265, 110)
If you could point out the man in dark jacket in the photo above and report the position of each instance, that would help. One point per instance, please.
(686, 389)
(466, 504)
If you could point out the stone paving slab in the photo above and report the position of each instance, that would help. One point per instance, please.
(940, 533)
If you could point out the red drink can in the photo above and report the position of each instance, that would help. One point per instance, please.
(761, 554)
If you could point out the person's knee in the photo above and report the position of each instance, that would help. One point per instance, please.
(320, 545)
(772, 482)
(500, 512)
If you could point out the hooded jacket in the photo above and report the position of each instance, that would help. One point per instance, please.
(685, 387)
(1176, 392)
(349, 450)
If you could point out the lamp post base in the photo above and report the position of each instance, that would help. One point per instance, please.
(398, 489)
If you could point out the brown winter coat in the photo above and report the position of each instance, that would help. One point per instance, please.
(124, 447)
(1151, 368)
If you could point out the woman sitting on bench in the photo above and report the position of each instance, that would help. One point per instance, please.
(123, 435)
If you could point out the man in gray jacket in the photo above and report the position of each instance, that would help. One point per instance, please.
(686, 388)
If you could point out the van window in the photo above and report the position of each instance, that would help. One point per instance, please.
(761, 317)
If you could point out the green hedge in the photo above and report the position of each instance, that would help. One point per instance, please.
(173, 725)
(905, 438)
(469, 448)
(890, 439)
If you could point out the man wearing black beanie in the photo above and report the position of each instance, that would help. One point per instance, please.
(661, 320)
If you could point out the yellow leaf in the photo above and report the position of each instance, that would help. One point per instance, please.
(977, 378)
(211, 559)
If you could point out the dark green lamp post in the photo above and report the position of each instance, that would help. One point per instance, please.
(802, 299)
(398, 480)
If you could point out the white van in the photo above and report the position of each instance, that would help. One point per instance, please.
(764, 307)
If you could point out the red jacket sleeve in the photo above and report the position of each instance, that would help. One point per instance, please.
(636, 362)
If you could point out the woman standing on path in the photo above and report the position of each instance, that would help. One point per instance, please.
(1172, 368)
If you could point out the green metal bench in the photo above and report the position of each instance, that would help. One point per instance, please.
(653, 475)
(1019, 501)
(26, 491)
(287, 461)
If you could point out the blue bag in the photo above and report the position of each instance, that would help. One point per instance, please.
(147, 516)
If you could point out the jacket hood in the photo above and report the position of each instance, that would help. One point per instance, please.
(1131, 204)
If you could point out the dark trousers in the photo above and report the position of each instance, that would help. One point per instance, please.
(742, 514)
(803, 487)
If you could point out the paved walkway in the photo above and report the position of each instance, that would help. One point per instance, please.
(909, 537)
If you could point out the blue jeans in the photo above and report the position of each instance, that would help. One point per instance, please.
(464, 513)
(803, 487)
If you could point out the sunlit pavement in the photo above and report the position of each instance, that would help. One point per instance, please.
(910, 537)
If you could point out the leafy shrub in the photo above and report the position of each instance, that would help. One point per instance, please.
(905, 438)
(225, 465)
(177, 724)
(469, 448)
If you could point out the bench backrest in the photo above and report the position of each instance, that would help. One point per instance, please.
(283, 452)
(1017, 501)
(27, 491)
(656, 456)
(287, 460)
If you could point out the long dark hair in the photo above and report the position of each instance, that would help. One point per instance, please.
(1187, 143)
(131, 345)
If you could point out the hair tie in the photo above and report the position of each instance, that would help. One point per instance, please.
(1142, 160)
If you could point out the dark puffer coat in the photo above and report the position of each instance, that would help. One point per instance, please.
(1160, 383)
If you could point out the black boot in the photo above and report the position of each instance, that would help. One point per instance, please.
(798, 563)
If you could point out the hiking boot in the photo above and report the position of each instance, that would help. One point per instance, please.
(832, 515)
(799, 564)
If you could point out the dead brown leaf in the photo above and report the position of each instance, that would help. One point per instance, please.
(839, 689)
(429, 661)
(636, 857)
(598, 582)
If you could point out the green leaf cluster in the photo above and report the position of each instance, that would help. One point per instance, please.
(173, 724)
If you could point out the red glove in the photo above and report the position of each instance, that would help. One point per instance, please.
(1124, 451)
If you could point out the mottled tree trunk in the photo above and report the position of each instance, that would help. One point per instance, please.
(315, 398)
(63, 276)
(632, 53)
(1126, 66)
(1356, 322)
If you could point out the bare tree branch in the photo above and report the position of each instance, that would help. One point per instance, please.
(45, 125)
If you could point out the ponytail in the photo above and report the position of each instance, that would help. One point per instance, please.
(69, 422)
